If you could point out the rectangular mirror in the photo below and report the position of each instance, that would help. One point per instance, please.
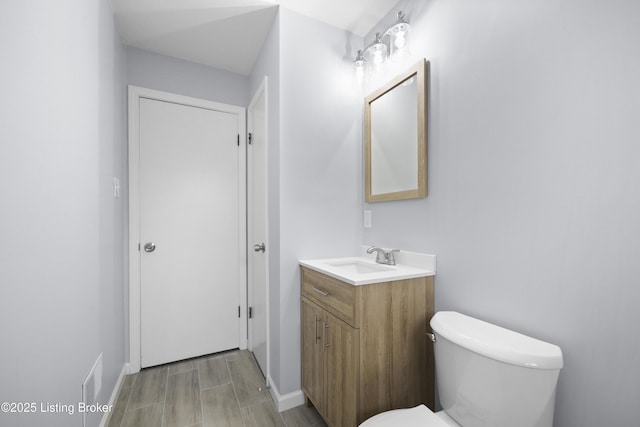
(396, 138)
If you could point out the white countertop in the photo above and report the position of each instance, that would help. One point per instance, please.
(363, 270)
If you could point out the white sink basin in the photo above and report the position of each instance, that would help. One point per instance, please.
(363, 270)
(359, 267)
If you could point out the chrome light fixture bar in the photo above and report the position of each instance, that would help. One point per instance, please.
(392, 43)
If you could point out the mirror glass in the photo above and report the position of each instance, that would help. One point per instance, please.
(395, 138)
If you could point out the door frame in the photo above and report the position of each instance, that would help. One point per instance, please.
(262, 90)
(135, 94)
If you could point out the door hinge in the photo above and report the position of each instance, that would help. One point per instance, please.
(250, 312)
(238, 312)
(238, 140)
(250, 138)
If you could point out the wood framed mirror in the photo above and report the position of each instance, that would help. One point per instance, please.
(396, 138)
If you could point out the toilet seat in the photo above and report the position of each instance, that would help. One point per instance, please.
(420, 416)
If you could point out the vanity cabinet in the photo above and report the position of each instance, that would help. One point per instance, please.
(364, 348)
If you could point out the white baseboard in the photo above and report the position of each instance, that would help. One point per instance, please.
(114, 395)
(287, 401)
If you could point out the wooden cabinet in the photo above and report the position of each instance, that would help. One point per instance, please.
(330, 370)
(364, 348)
(313, 352)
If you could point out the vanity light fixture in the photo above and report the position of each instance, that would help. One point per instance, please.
(393, 43)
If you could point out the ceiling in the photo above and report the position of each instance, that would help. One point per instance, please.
(228, 34)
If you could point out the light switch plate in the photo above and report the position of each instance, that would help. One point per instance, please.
(367, 219)
(116, 188)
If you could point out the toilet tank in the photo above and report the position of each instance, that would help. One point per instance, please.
(489, 376)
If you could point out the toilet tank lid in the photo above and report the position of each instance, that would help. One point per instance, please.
(496, 342)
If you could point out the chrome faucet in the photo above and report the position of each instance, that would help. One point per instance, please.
(382, 256)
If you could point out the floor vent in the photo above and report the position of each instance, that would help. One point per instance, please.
(91, 386)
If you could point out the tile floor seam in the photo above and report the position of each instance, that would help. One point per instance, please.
(164, 401)
(235, 392)
(126, 409)
(197, 365)
(279, 414)
(115, 402)
(215, 386)
(126, 405)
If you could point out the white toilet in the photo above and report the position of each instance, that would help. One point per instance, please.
(487, 376)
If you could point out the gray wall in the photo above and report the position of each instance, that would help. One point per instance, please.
(61, 245)
(320, 165)
(160, 72)
(534, 193)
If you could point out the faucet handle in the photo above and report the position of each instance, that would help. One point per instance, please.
(391, 258)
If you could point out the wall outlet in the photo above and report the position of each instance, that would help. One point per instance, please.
(367, 219)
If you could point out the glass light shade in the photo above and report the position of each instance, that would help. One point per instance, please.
(398, 34)
(398, 37)
(358, 65)
(377, 53)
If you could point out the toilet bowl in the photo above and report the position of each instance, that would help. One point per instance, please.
(420, 416)
(487, 376)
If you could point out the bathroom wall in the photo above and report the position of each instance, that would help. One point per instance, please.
(534, 188)
(160, 72)
(61, 245)
(320, 166)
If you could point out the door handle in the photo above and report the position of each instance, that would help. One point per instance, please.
(149, 247)
(259, 247)
(316, 333)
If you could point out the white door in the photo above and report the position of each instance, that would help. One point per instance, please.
(257, 230)
(189, 193)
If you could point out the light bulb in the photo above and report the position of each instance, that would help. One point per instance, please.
(358, 64)
(400, 40)
(377, 57)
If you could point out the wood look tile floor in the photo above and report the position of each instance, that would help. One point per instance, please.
(219, 390)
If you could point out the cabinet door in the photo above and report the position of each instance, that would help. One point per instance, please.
(313, 353)
(341, 372)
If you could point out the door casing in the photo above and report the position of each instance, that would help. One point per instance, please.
(135, 93)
